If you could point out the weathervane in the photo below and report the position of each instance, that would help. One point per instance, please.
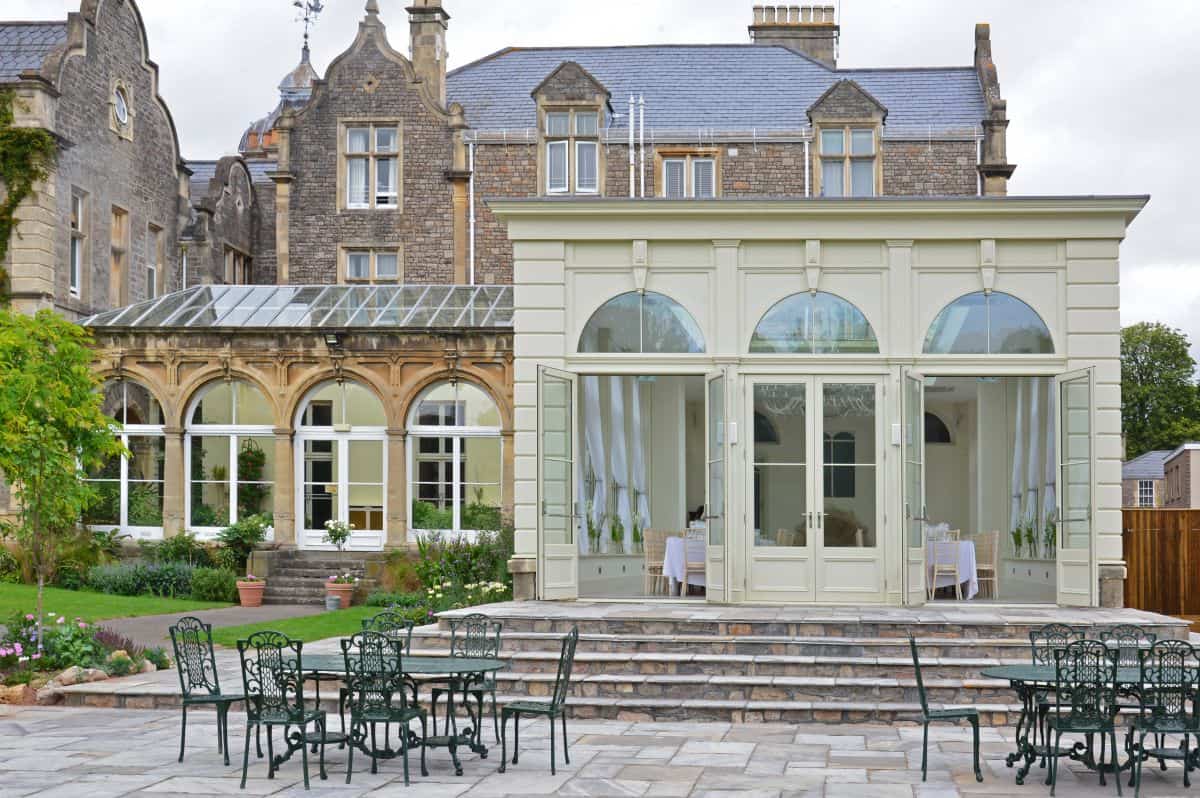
(308, 11)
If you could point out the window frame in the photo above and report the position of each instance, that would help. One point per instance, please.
(238, 267)
(373, 252)
(1142, 486)
(373, 156)
(155, 257)
(124, 479)
(570, 142)
(848, 158)
(690, 157)
(79, 219)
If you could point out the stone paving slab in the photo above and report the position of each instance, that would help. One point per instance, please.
(55, 751)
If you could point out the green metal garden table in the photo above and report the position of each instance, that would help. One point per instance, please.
(1028, 681)
(459, 673)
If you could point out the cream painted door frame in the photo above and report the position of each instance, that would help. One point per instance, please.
(1075, 391)
(716, 481)
(347, 456)
(557, 448)
(912, 462)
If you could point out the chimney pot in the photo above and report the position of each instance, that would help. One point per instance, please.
(811, 30)
(758, 15)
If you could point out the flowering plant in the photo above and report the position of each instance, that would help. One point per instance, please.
(343, 579)
(337, 533)
(251, 578)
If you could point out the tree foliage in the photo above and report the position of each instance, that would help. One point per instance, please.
(52, 431)
(25, 157)
(1160, 400)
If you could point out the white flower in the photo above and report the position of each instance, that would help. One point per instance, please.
(439, 595)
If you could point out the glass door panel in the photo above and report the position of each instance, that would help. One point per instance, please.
(559, 571)
(913, 458)
(1076, 494)
(321, 476)
(849, 486)
(364, 488)
(716, 451)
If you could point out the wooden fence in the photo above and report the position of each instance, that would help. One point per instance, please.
(1162, 554)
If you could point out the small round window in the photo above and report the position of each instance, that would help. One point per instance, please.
(121, 105)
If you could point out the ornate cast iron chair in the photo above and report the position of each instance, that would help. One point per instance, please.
(1044, 641)
(377, 693)
(274, 681)
(969, 714)
(473, 635)
(551, 710)
(1170, 683)
(191, 639)
(1085, 700)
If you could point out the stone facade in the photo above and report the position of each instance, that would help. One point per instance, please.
(929, 168)
(226, 217)
(1182, 489)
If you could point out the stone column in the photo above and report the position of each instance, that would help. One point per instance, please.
(173, 482)
(397, 489)
(1112, 585)
(284, 498)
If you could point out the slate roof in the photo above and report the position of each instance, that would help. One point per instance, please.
(25, 45)
(1146, 466)
(715, 87)
(203, 172)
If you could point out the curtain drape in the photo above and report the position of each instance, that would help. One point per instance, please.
(1049, 497)
(641, 509)
(1033, 475)
(1018, 466)
(597, 475)
(618, 463)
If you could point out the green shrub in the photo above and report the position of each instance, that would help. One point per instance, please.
(159, 657)
(214, 584)
(178, 548)
(10, 569)
(119, 663)
(227, 559)
(381, 598)
(461, 562)
(426, 516)
(70, 575)
(137, 578)
(242, 537)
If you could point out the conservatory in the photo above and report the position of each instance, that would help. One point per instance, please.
(387, 407)
(879, 401)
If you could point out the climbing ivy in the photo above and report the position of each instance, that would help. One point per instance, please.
(25, 157)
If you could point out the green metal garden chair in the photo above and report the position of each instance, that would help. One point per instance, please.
(191, 639)
(273, 678)
(551, 710)
(1085, 700)
(378, 694)
(1043, 642)
(477, 636)
(1127, 641)
(1170, 684)
(969, 714)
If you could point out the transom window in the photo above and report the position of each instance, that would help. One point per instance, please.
(372, 157)
(848, 162)
(983, 323)
(372, 265)
(689, 176)
(810, 324)
(79, 231)
(1145, 493)
(455, 460)
(641, 321)
(572, 151)
(130, 488)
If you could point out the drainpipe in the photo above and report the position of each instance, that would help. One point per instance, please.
(642, 141)
(632, 194)
(978, 161)
(807, 180)
(471, 214)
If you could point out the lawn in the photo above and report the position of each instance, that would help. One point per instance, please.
(339, 623)
(92, 606)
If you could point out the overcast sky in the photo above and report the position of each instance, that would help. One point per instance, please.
(1101, 93)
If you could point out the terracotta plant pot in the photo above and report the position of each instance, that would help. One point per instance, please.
(343, 592)
(250, 593)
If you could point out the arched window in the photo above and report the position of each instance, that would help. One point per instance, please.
(641, 322)
(811, 324)
(131, 488)
(936, 430)
(341, 463)
(230, 456)
(455, 460)
(988, 324)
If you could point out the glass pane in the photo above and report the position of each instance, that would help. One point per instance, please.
(833, 142)
(145, 504)
(366, 461)
(614, 327)
(668, 327)
(1076, 471)
(586, 123)
(833, 178)
(862, 142)
(216, 406)
(130, 403)
(556, 459)
(363, 408)
(457, 404)
(256, 475)
(320, 480)
(147, 456)
(356, 177)
(780, 454)
(386, 265)
(780, 504)
(585, 166)
(558, 123)
(556, 165)
(210, 504)
(673, 178)
(556, 501)
(366, 507)
(848, 423)
(810, 324)
(961, 327)
(252, 405)
(210, 458)
(914, 469)
(780, 434)
(715, 511)
(1016, 328)
(703, 184)
(255, 498)
(385, 181)
(480, 493)
(481, 508)
(862, 178)
(106, 506)
(385, 139)
(358, 139)
(358, 265)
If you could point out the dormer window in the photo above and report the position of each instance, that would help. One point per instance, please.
(572, 151)
(848, 162)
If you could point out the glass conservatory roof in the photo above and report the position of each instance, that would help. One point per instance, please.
(317, 307)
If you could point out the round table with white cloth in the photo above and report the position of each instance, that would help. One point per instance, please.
(945, 553)
(679, 551)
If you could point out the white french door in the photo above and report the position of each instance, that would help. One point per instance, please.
(913, 462)
(341, 477)
(716, 500)
(558, 573)
(1076, 486)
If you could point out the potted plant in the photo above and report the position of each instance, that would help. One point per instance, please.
(342, 586)
(250, 590)
(337, 533)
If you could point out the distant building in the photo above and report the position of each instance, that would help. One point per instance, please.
(1142, 480)
(1179, 470)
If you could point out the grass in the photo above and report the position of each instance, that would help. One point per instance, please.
(340, 623)
(93, 606)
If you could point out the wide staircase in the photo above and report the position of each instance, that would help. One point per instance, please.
(298, 577)
(747, 666)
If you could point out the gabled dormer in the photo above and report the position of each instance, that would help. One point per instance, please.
(571, 108)
(848, 130)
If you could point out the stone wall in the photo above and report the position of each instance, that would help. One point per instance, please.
(763, 170)
(922, 168)
(226, 216)
(266, 270)
(501, 170)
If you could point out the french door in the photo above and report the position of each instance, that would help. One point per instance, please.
(1076, 486)
(815, 512)
(913, 463)
(716, 472)
(341, 477)
(558, 572)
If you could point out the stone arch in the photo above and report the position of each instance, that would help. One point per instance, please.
(299, 392)
(479, 378)
(202, 382)
(167, 400)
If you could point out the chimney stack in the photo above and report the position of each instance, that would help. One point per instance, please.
(994, 168)
(427, 23)
(811, 30)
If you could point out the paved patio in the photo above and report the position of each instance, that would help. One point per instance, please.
(52, 751)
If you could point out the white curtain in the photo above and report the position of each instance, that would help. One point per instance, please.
(640, 488)
(1018, 450)
(1033, 475)
(593, 431)
(619, 464)
(1049, 498)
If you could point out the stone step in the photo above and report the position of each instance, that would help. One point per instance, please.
(312, 582)
(314, 572)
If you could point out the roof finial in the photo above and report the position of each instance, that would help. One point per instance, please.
(373, 7)
(309, 9)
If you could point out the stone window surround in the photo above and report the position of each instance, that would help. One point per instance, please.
(343, 127)
(343, 263)
(122, 129)
(78, 249)
(118, 267)
(572, 139)
(689, 154)
(846, 125)
(235, 259)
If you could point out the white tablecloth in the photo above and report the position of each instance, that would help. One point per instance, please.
(674, 561)
(944, 552)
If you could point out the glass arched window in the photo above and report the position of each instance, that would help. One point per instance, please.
(130, 488)
(341, 464)
(811, 324)
(455, 460)
(230, 451)
(641, 322)
(936, 430)
(988, 324)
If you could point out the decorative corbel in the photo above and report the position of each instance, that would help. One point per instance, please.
(337, 361)
(987, 264)
(641, 264)
(812, 264)
(451, 356)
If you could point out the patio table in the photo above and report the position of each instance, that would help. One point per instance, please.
(1028, 681)
(679, 552)
(458, 672)
(939, 552)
